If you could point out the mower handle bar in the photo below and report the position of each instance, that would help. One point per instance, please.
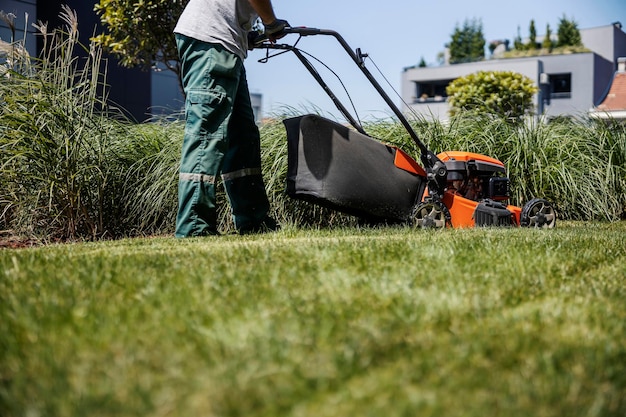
(357, 56)
(435, 168)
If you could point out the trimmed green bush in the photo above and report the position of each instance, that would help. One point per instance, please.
(504, 93)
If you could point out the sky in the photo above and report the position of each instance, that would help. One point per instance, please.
(395, 34)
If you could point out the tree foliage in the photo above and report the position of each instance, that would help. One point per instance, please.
(547, 39)
(505, 93)
(568, 33)
(532, 35)
(140, 32)
(467, 43)
(517, 42)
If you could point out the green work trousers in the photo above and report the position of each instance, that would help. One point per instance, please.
(221, 139)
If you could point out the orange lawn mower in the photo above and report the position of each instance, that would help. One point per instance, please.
(345, 169)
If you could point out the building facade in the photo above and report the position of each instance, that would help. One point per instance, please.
(141, 94)
(25, 12)
(570, 84)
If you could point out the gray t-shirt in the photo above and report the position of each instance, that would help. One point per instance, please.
(226, 22)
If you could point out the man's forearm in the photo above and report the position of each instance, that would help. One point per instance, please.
(264, 9)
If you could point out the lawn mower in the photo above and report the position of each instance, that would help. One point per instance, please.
(343, 168)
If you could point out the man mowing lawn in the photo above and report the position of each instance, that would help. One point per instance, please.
(221, 137)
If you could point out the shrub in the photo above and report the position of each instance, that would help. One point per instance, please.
(505, 93)
(139, 33)
(568, 33)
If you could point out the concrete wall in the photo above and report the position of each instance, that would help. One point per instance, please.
(582, 69)
(166, 94)
(609, 42)
(20, 9)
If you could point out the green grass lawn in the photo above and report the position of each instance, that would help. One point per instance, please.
(344, 322)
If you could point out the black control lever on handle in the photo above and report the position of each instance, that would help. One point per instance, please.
(256, 39)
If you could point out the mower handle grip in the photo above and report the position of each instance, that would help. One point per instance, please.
(261, 41)
(303, 30)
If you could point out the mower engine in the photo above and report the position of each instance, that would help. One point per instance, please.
(477, 193)
(475, 178)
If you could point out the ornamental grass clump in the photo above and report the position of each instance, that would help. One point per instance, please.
(57, 136)
(149, 192)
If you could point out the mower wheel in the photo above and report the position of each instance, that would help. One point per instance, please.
(430, 215)
(538, 213)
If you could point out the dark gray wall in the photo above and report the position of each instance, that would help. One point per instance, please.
(129, 88)
(20, 8)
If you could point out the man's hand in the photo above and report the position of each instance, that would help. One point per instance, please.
(276, 29)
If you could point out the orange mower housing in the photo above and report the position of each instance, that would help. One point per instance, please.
(478, 193)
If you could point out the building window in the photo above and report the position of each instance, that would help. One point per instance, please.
(561, 85)
(431, 91)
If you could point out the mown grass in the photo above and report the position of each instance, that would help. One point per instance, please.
(319, 322)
